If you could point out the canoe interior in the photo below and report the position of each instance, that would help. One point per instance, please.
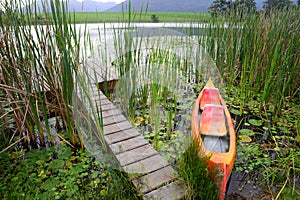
(215, 143)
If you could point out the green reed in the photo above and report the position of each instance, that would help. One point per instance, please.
(39, 63)
(197, 178)
(258, 53)
(151, 80)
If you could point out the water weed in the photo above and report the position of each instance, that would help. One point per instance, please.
(60, 173)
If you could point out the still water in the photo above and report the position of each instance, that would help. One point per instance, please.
(108, 30)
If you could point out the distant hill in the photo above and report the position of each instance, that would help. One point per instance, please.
(172, 5)
(164, 6)
(85, 6)
(200, 6)
(89, 6)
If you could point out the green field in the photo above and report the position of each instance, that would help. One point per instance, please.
(100, 17)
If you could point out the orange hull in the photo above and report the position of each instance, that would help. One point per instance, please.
(224, 161)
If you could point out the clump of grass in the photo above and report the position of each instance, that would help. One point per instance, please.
(197, 178)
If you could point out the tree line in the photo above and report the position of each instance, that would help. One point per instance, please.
(223, 7)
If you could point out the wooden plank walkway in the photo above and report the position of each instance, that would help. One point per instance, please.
(148, 170)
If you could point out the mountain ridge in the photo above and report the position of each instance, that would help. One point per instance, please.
(90, 6)
(164, 6)
(201, 6)
(76, 6)
(198, 6)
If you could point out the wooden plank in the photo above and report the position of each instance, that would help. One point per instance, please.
(173, 191)
(95, 95)
(154, 180)
(146, 166)
(108, 107)
(112, 128)
(121, 136)
(102, 71)
(135, 155)
(113, 112)
(128, 144)
(94, 92)
(91, 68)
(97, 101)
(113, 119)
(102, 101)
(104, 108)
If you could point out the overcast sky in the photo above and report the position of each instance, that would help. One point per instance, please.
(116, 1)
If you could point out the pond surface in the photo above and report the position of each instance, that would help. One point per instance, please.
(110, 27)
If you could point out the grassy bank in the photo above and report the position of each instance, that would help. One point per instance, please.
(164, 17)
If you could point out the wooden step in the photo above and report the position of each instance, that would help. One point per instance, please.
(172, 191)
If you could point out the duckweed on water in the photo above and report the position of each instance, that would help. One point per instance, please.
(60, 173)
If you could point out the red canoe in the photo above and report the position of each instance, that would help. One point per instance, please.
(213, 128)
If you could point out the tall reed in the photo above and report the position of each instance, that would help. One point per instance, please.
(40, 59)
(259, 53)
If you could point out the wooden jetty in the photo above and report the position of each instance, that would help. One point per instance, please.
(149, 172)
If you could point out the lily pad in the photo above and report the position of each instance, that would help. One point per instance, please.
(247, 132)
(255, 122)
(235, 112)
(245, 138)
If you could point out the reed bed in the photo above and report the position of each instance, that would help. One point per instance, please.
(260, 54)
(40, 64)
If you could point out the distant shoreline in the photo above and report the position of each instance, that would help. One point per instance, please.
(148, 17)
